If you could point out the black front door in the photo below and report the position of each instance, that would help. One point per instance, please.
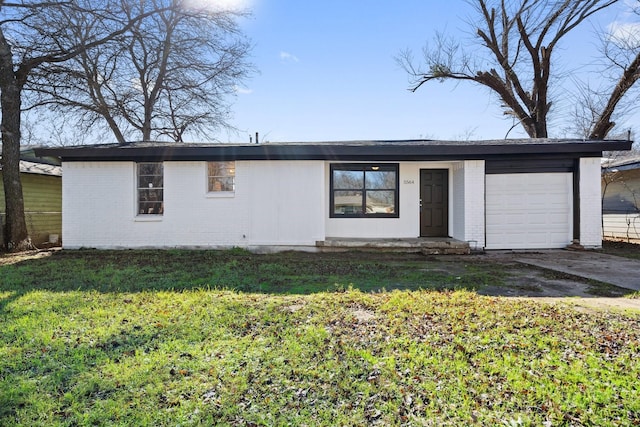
(434, 202)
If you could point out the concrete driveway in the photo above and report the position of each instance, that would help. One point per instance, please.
(531, 276)
(614, 270)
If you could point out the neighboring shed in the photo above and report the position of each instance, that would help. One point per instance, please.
(42, 191)
(621, 198)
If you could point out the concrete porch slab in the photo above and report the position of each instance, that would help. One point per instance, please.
(427, 246)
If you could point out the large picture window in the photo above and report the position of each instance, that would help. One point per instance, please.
(150, 188)
(221, 176)
(364, 190)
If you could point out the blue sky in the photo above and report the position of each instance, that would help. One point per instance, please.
(327, 72)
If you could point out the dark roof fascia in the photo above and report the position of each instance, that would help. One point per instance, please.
(337, 152)
(627, 167)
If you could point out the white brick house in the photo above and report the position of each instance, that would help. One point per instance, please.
(507, 194)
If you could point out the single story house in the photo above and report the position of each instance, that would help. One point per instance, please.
(42, 192)
(621, 198)
(501, 194)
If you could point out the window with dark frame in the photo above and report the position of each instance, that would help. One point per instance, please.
(150, 188)
(221, 176)
(361, 190)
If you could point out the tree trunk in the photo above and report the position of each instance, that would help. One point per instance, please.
(541, 128)
(16, 234)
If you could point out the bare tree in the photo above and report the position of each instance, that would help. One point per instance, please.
(32, 36)
(519, 38)
(619, 70)
(168, 75)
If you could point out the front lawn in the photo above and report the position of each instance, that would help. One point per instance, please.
(130, 338)
(239, 270)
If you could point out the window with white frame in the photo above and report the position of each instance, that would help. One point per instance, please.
(150, 188)
(221, 176)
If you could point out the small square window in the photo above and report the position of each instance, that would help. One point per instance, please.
(221, 176)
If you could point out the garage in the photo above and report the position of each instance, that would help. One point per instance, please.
(529, 210)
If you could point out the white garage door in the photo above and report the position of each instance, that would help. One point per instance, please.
(529, 210)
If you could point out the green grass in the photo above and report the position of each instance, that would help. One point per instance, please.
(633, 295)
(239, 270)
(130, 338)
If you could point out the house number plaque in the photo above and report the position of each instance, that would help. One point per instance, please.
(409, 181)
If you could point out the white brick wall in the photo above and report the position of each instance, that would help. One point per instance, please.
(286, 202)
(474, 202)
(95, 198)
(274, 204)
(468, 206)
(590, 203)
(458, 203)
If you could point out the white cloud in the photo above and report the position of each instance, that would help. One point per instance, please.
(625, 34)
(243, 90)
(288, 57)
(216, 5)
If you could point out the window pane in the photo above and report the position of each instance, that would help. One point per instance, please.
(381, 179)
(364, 190)
(150, 201)
(148, 181)
(150, 208)
(150, 194)
(347, 202)
(344, 179)
(221, 176)
(221, 168)
(150, 175)
(221, 184)
(380, 202)
(149, 168)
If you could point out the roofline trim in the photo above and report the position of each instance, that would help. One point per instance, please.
(390, 152)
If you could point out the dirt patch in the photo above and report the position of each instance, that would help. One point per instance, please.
(538, 284)
(363, 316)
(520, 280)
(620, 248)
(14, 258)
(294, 308)
(533, 282)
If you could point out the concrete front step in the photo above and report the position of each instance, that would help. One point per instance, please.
(427, 246)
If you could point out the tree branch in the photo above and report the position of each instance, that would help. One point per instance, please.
(629, 77)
